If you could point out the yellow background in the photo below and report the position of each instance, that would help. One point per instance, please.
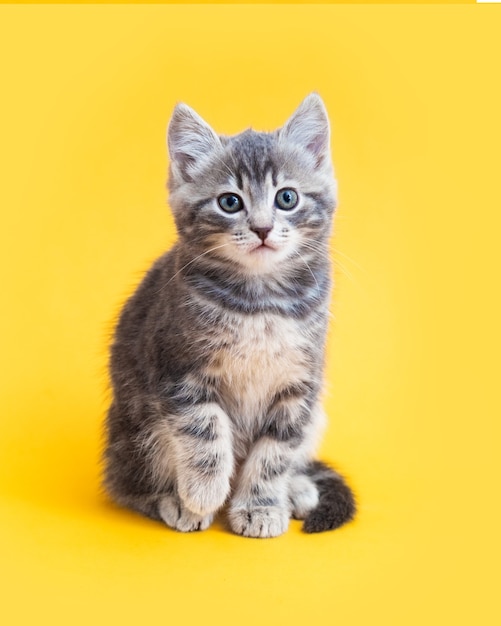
(413, 368)
(261, 2)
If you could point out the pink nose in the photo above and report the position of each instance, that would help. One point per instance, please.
(262, 233)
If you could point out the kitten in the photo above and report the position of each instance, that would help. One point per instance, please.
(217, 359)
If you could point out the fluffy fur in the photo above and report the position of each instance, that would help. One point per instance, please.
(217, 359)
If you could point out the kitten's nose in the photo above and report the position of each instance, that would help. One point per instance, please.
(262, 232)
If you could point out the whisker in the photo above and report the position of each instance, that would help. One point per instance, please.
(338, 264)
(225, 165)
(190, 262)
(309, 269)
(348, 258)
(215, 170)
(344, 270)
(286, 162)
(321, 248)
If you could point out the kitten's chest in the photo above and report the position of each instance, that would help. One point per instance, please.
(258, 356)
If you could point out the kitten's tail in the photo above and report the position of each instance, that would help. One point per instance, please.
(336, 504)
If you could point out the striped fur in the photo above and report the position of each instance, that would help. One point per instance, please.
(217, 359)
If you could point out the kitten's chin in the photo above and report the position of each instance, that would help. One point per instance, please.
(263, 248)
(255, 259)
(262, 258)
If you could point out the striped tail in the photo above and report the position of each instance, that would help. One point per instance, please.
(336, 504)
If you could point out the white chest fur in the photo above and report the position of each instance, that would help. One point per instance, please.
(261, 355)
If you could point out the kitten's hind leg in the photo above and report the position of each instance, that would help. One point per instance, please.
(303, 495)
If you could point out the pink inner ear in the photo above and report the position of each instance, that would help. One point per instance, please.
(183, 159)
(309, 127)
(189, 137)
(318, 145)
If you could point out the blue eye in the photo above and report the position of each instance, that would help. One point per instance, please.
(230, 202)
(286, 199)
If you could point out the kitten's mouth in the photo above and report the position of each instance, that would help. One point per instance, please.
(263, 247)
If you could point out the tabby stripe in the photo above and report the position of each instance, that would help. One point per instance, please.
(322, 203)
(200, 431)
(263, 501)
(299, 390)
(298, 309)
(208, 466)
(196, 208)
(282, 428)
(191, 397)
(269, 472)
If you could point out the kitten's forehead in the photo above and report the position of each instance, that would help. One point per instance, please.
(253, 157)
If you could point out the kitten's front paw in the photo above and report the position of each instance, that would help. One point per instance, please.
(205, 497)
(260, 521)
(177, 516)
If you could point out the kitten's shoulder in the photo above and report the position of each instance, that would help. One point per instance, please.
(159, 274)
(152, 290)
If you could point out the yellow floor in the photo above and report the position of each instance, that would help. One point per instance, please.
(413, 367)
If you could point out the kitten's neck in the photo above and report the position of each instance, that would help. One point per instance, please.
(294, 292)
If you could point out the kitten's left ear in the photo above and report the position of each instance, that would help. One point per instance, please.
(309, 127)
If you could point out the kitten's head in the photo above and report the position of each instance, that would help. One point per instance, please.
(254, 199)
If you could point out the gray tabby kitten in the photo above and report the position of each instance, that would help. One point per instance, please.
(217, 359)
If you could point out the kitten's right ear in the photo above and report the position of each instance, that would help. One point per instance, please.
(190, 141)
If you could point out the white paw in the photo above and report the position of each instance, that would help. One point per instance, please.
(177, 516)
(204, 496)
(261, 521)
(303, 495)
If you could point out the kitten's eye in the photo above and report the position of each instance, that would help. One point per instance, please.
(286, 199)
(230, 202)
